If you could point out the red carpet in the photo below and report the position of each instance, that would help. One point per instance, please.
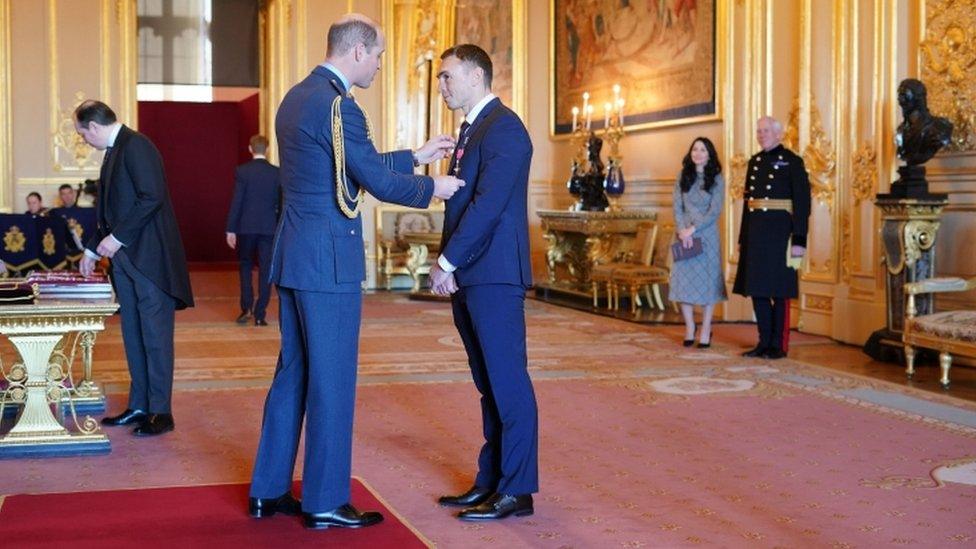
(201, 516)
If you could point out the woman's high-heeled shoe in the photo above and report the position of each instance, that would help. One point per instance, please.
(690, 342)
(705, 345)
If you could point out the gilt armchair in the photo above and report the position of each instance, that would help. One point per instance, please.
(948, 332)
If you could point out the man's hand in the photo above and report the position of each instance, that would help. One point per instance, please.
(797, 251)
(232, 240)
(108, 246)
(437, 148)
(87, 266)
(442, 283)
(446, 185)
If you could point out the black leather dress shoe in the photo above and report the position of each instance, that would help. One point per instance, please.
(498, 507)
(267, 507)
(128, 417)
(774, 353)
(755, 353)
(243, 317)
(472, 497)
(155, 424)
(260, 322)
(345, 516)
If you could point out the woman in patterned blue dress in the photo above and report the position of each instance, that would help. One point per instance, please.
(698, 196)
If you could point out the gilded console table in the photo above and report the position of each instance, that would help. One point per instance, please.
(47, 335)
(576, 241)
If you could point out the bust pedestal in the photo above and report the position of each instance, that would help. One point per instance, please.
(909, 226)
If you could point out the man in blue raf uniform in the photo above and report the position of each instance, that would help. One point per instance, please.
(251, 226)
(484, 263)
(318, 262)
(773, 236)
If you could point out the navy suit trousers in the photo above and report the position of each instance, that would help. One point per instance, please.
(148, 315)
(491, 321)
(315, 379)
(250, 246)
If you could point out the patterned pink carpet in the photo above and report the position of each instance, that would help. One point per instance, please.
(643, 443)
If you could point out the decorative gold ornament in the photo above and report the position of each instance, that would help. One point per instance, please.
(48, 242)
(865, 173)
(75, 227)
(737, 175)
(949, 67)
(820, 160)
(919, 236)
(14, 240)
(791, 135)
(71, 152)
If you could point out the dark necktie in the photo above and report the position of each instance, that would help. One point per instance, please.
(459, 148)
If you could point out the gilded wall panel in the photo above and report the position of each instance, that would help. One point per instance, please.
(6, 108)
(948, 66)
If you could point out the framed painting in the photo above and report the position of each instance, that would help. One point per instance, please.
(661, 54)
(498, 27)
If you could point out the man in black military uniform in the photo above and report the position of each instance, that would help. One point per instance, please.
(773, 236)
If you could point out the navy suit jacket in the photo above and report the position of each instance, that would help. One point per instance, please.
(318, 248)
(254, 209)
(486, 228)
(134, 206)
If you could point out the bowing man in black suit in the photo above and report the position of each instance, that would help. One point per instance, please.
(137, 230)
(251, 226)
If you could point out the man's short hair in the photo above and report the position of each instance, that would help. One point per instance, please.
(65, 186)
(35, 195)
(344, 35)
(259, 144)
(474, 55)
(94, 111)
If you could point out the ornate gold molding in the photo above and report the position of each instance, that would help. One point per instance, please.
(817, 302)
(865, 168)
(818, 155)
(846, 247)
(71, 153)
(737, 175)
(6, 123)
(820, 160)
(948, 66)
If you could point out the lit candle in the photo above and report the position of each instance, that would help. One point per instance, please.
(620, 112)
(586, 101)
(616, 92)
(589, 116)
(606, 115)
(575, 114)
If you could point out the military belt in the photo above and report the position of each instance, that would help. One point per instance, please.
(765, 204)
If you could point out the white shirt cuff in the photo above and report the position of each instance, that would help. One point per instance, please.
(117, 241)
(92, 255)
(445, 264)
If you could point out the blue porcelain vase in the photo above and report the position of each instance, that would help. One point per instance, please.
(614, 184)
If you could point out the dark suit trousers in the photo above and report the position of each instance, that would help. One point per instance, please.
(148, 315)
(491, 321)
(250, 246)
(315, 378)
(770, 318)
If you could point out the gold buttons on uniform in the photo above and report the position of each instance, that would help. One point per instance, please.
(769, 186)
(770, 176)
(764, 209)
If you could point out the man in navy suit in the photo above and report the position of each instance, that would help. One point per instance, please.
(327, 162)
(137, 229)
(484, 264)
(251, 226)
